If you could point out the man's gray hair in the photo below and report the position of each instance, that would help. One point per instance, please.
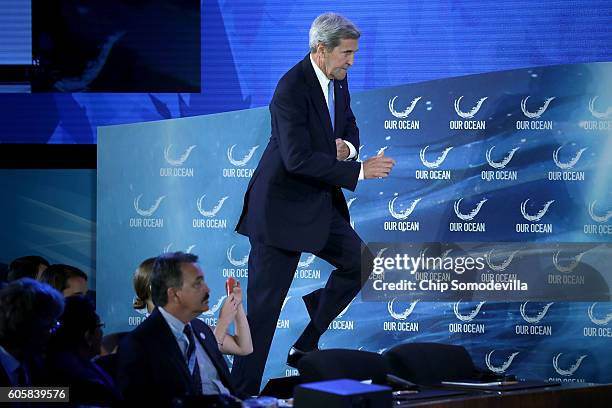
(329, 29)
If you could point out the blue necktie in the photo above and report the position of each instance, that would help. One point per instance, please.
(195, 374)
(330, 103)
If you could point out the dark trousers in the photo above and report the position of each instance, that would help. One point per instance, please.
(271, 271)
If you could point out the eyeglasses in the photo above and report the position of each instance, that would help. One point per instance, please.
(101, 325)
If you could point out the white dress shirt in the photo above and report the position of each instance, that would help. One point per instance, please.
(324, 82)
(211, 383)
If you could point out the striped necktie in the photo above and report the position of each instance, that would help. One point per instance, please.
(195, 374)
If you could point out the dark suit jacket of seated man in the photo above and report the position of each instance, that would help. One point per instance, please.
(152, 367)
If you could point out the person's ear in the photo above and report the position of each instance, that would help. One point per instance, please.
(172, 294)
(89, 337)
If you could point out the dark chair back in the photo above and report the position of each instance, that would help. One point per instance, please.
(429, 363)
(333, 364)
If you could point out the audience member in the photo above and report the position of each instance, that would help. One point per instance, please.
(142, 286)
(67, 279)
(27, 267)
(172, 353)
(28, 315)
(231, 312)
(71, 350)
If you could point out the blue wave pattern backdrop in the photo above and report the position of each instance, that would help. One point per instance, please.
(247, 46)
(514, 157)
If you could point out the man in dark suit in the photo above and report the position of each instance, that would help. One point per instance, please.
(172, 354)
(294, 201)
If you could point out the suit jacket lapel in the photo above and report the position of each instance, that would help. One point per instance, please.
(214, 354)
(338, 107)
(317, 97)
(169, 347)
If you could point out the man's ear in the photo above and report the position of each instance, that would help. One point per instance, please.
(89, 335)
(321, 48)
(172, 294)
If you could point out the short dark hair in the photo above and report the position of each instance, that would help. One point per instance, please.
(24, 303)
(57, 275)
(78, 318)
(25, 267)
(167, 274)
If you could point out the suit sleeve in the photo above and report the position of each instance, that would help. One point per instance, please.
(291, 116)
(132, 370)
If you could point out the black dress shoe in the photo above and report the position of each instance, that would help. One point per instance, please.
(295, 355)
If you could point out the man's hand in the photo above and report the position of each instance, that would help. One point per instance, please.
(378, 166)
(342, 150)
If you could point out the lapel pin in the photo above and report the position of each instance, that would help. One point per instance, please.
(202, 336)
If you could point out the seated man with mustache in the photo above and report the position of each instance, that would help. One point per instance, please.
(172, 354)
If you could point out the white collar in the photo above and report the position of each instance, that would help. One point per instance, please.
(323, 80)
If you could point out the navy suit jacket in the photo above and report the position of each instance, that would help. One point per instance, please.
(293, 192)
(151, 366)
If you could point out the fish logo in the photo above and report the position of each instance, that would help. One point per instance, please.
(151, 210)
(217, 306)
(343, 312)
(242, 162)
(379, 256)
(236, 262)
(598, 218)
(182, 159)
(538, 216)
(469, 216)
(599, 321)
(572, 369)
(575, 261)
(403, 114)
(213, 212)
(404, 315)
(504, 366)
(539, 112)
(501, 267)
(436, 163)
(596, 114)
(187, 251)
(470, 114)
(285, 302)
(470, 316)
(505, 160)
(402, 215)
(348, 206)
(537, 317)
(570, 164)
(306, 263)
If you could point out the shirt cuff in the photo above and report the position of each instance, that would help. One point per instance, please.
(352, 150)
(360, 172)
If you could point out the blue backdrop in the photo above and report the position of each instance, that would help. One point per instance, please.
(247, 46)
(509, 161)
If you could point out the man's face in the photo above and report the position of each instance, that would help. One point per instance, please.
(337, 61)
(75, 286)
(194, 293)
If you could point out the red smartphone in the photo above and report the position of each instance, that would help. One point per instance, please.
(230, 283)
